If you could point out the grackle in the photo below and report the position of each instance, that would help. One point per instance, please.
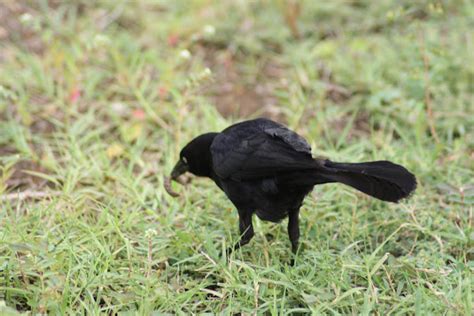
(267, 169)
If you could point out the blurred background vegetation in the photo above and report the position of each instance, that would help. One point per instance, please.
(97, 98)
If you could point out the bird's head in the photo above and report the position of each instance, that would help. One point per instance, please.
(195, 157)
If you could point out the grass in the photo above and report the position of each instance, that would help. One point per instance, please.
(97, 99)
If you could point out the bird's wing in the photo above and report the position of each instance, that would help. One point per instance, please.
(258, 149)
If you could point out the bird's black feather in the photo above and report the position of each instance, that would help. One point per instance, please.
(257, 149)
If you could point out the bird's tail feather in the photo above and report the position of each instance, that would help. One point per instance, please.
(383, 180)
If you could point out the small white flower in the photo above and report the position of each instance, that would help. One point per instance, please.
(185, 54)
(150, 233)
(119, 108)
(26, 18)
(206, 72)
(101, 40)
(209, 29)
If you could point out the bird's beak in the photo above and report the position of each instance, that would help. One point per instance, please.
(179, 169)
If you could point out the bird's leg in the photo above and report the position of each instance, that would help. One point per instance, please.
(246, 231)
(294, 231)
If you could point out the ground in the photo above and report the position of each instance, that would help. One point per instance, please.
(97, 98)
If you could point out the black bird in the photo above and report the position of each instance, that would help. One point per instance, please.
(267, 169)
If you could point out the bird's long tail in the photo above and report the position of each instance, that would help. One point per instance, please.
(383, 180)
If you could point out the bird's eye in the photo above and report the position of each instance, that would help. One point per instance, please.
(184, 160)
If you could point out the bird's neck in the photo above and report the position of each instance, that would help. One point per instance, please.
(205, 165)
(202, 165)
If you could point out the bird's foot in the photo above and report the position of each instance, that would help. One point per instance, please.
(227, 253)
